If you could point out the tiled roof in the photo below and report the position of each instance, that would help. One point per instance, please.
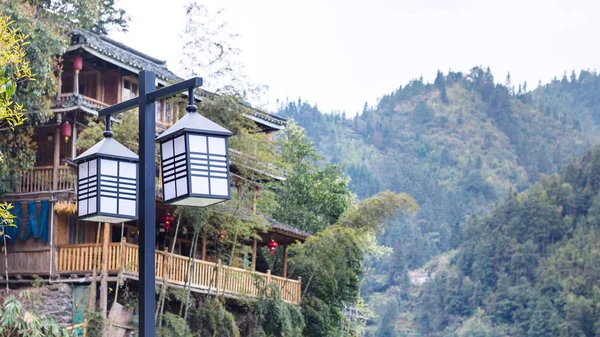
(282, 228)
(121, 53)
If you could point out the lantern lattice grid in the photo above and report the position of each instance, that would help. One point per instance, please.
(107, 183)
(195, 161)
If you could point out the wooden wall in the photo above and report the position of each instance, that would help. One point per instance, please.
(112, 86)
(28, 257)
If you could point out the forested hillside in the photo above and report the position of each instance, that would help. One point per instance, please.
(529, 268)
(458, 146)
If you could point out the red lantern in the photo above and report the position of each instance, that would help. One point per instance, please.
(257, 189)
(167, 219)
(77, 63)
(272, 246)
(66, 131)
(222, 234)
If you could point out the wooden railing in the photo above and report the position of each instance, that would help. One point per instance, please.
(205, 277)
(90, 102)
(39, 179)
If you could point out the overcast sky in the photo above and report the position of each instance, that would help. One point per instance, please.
(341, 53)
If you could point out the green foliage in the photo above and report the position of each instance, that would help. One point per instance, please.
(174, 325)
(14, 68)
(95, 15)
(15, 321)
(459, 146)
(331, 262)
(311, 198)
(532, 263)
(211, 318)
(95, 324)
(274, 317)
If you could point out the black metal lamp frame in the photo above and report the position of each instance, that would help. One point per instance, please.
(146, 103)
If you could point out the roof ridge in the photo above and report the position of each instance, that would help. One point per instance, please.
(122, 46)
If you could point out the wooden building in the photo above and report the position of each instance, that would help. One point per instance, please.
(51, 244)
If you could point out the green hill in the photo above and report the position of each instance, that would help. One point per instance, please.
(459, 146)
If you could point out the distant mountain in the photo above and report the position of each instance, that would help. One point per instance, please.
(458, 146)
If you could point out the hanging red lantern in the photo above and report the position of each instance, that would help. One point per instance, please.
(167, 219)
(257, 190)
(66, 131)
(272, 246)
(222, 234)
(78, 63)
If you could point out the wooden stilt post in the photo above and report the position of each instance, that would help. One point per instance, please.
(284, 261)
(74, 137)
(253, 265)
(56, 153)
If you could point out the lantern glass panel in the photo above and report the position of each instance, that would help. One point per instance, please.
(167, 149)
(108, 167)
(128, 170)
(216, 146)
(198, 144)
(219, 186)
(87, 187)
(200, 185)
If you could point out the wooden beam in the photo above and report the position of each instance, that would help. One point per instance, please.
(285, 261)
(253, 265)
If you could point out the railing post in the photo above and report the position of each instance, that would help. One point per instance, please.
(123, 252)
(268, 281)
(253, 264)
(219, 275)
(165, 271)
(299, 294)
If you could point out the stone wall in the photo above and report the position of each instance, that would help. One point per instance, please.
(55, 301)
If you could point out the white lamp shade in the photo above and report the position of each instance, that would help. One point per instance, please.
(107, 186)
(195, 169)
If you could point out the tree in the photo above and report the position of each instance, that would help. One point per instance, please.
(98, 16)
(330, 263)
(14, 69)
(210, 50)
(545, 320)
(311, 198)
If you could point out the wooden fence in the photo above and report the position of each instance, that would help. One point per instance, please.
(39, 179)
(205, 277)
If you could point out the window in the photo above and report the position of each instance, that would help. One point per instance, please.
(168, 114)
(76, 230)
(130, 89)
(159, 109)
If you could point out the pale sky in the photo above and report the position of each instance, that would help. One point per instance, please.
(341, 53)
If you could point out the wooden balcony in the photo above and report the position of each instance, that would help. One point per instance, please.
(39, 179)
(70, 98)
(206, 277)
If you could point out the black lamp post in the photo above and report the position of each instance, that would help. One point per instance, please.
(216, 171)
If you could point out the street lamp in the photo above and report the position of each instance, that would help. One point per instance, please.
(107, 181)
(206, 179)
(194, 160)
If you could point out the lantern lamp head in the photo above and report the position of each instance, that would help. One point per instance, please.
(194, 158)
(107, 182)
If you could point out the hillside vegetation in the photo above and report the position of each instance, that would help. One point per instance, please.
(459, 146)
